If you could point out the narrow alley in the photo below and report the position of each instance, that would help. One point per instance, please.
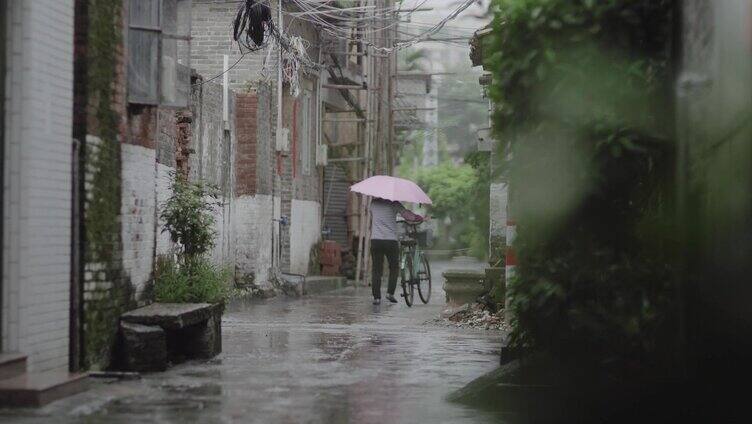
(330, 358)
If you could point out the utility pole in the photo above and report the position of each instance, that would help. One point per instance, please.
(276, 242)
(392, 88)
(362, 212)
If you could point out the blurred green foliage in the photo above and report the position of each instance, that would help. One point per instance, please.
(582, 91)
(459, 194)
(450, 188)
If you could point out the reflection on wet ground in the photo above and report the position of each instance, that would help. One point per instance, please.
(331, 358)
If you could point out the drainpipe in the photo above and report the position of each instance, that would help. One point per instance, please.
(275, 241)
(3, 18)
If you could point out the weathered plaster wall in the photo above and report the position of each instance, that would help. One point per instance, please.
(254, 226)
(305, 232)
(214, 143)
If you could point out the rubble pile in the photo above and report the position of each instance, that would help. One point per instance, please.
(473, 315)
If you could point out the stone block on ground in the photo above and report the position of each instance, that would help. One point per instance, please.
(292, 284)
(163, 333)
(171, 316)
(200, 341)
(144, 347)
(464, 286)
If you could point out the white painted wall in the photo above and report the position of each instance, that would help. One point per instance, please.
(305, 231)
(37, 191)
(164, 190)
(223, 252)
(138, 213)
(253, 230)
(498, 209)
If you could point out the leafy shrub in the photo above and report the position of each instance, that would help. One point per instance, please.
(195, 280)
(583, 93)
(187, 216)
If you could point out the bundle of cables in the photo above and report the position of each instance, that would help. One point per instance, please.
(251, 24)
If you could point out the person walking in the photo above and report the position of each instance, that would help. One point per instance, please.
(384, 244)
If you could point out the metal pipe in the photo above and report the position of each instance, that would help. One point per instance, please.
(406, 109)
(344, 87)
(347, 120)
(275, 241)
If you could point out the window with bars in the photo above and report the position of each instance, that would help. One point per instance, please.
(159, 69)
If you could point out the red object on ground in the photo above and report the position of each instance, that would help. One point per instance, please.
(330, 258)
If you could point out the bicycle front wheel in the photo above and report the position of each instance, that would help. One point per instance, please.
(424, 279)
(408, 289)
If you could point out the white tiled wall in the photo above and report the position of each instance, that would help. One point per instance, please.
(37, 200)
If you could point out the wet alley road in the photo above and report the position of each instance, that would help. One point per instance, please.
(331, 358)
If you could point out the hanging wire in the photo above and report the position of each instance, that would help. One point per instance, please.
(252, 24)
(223, 72)
(253, 27)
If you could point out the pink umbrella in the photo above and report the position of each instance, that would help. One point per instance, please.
(391, 188)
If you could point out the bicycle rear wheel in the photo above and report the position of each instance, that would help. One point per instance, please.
(424, 279)
(408, 289)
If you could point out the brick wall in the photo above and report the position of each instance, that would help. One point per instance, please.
(212, 39)
(37, 191)
(265, 120)
(246, 154)
(272, 174)
(167, 135)
(255, 205)
(121, 176)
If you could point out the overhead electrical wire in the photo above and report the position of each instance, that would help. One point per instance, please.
(254, 26)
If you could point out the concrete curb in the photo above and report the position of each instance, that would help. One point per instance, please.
(321, 284)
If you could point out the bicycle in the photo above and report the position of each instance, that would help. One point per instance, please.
(414, 267)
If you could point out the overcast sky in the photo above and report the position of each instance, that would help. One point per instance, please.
(458, 30)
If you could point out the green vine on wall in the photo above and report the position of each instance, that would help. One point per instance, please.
(104, 202)
(102, 222)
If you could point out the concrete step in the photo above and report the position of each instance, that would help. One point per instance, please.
(12, 364)
(37, 389)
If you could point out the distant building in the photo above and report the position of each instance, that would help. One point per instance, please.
(416, 113)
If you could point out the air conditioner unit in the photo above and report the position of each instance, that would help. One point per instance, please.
(283, 140)
(322, 155)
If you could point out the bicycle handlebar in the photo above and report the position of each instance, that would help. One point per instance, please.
(411, 223)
